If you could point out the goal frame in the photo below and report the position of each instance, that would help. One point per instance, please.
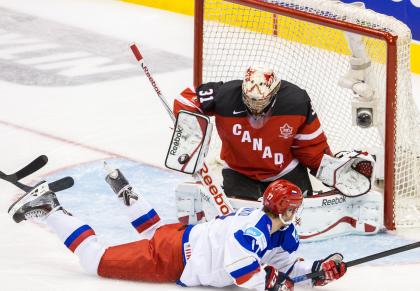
(391, 77)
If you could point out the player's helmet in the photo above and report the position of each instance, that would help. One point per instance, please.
(281, 195)
(259, 86)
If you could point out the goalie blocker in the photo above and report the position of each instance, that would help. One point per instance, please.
(190, 142)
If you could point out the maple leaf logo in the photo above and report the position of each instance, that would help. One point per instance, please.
(286, 131)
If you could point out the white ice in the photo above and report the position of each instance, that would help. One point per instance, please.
(119, 119)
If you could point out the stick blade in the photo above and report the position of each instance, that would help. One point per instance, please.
(30, 168)
(61, 184)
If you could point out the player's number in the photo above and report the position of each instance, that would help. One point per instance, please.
(205, 95)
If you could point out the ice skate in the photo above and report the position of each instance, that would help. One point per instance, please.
(35, 205)
(120, 185)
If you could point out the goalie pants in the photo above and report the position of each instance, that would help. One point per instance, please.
(240, 186)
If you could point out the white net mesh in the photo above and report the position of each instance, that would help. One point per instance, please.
(314, 57)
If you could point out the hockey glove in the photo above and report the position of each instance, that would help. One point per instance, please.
(333, 268)
(277, 281)
(348, 172)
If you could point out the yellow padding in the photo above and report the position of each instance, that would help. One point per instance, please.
(178, 6)
(248, 18)
(415, 57)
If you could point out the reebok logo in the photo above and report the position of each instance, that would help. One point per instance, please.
(334, 201)
(214, 191)
(176, 140)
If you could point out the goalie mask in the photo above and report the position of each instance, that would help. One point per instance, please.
(282, 196)
(258, 88)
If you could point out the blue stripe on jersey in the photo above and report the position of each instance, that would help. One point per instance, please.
(178, 282)
(142, 219)
(245, 270)
(256, 239)
(185, 239)
(76, 234)
(287, 239)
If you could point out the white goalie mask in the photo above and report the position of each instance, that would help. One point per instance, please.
(258, 88)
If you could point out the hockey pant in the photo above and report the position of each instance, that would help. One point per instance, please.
(158, 257)
(237, 185)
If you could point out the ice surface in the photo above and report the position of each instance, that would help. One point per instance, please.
(80, 120)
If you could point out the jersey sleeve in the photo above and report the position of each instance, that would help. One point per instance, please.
(201, 100)
(284, 258)
(243, 253)
(292, 265)
(187, 100)
(310, 143)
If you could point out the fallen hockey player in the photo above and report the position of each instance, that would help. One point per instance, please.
(252, 248)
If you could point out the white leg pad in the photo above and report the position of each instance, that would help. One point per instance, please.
(335, 215)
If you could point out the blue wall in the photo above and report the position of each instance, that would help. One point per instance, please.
(408, 11)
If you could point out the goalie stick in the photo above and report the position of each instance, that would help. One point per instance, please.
(212, 191)
(32, 167)
(362, 260)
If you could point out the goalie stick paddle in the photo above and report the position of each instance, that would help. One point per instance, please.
(212, 192)
(30, 168)
(362, 260)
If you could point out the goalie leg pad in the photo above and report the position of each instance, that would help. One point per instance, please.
(335, 215)
(189, 203)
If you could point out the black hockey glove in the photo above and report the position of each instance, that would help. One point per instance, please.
(333, 268)
(277, 281)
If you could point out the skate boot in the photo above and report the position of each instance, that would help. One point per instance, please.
(120, 185)
(35, 205)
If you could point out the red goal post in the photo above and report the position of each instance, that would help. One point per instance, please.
(242, 32)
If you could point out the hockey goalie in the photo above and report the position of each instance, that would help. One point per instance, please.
(269, 131)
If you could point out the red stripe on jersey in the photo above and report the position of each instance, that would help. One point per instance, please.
(246, 277)
(147, 224)
(81, 239)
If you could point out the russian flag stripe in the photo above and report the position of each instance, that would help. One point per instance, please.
(78, 236)
(246, 277)
(145, 221)
(244, 274)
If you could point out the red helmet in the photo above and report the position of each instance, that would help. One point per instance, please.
(281, 195)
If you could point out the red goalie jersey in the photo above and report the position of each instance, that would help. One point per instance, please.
(264, 148)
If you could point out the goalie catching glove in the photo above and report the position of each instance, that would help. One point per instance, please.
(276, 280)
(348, 172)
(333, 268)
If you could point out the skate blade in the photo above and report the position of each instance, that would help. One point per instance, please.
(39, 189)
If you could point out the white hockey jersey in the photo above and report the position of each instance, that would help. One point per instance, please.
(232, 249)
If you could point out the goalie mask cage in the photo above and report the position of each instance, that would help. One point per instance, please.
(305, 42)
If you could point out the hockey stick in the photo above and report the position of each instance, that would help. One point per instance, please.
(212, 192)
(61, 184)
(30, 168)
(362, 260)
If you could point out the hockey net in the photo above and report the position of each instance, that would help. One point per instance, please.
(305, 42)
